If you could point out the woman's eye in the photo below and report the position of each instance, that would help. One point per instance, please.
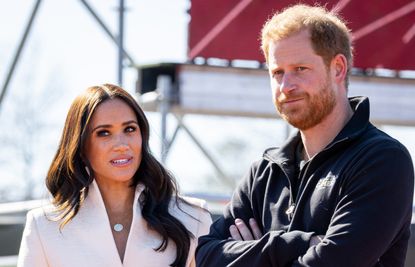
(103, 133)
(130, 129)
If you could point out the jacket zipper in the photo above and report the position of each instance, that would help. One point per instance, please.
(303, 182)
(291, 202)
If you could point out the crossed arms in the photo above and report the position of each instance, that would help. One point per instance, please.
(372, 215)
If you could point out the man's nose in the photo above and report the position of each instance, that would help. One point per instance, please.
(287, 83)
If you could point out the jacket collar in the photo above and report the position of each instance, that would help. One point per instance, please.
(94, 195)
(359, 121)
(93, 216)
(285, 155)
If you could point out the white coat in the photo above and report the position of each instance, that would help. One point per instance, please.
(87, 239)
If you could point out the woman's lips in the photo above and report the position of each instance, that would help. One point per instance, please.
(121, 161)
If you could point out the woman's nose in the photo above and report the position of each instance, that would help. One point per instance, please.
(120, 143)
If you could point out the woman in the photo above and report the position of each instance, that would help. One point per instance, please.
(113, 203)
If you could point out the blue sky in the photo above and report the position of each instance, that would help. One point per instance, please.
(65, 35)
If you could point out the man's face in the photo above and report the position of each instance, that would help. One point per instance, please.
(302, 86)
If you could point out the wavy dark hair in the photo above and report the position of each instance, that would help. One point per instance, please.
(68, 181)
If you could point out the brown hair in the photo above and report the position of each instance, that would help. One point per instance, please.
(68, 181)
(329, 33)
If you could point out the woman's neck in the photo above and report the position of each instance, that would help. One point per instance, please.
(118, 200)
(118, 197)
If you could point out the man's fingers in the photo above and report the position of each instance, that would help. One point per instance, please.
(235, 233)
(315, 240)
(243, 230)
(255, 228)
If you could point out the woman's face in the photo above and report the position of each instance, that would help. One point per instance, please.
(113, 145)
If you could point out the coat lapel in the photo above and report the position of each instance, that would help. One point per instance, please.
(92, 226)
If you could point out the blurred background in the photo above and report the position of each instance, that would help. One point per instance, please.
(196, 68)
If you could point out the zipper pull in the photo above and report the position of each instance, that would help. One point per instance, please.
(290, 211)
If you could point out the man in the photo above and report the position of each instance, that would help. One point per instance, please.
(337, 193)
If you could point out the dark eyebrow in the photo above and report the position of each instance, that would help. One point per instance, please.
(109, 125)
(130, 122)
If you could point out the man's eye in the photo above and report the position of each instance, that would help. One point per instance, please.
(130, 129)
(278, 73)
(301, 68)
(103, 133)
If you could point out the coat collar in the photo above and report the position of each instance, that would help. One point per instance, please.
(352, 130)
(95, 197)
(92, 220)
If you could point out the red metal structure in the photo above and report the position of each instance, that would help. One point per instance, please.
(383, 31)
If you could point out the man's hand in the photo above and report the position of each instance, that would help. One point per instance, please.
(241, 232)
(315, 240)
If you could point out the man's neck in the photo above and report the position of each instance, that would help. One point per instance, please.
(318, 137)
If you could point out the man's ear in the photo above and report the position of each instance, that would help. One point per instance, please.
(339, 68)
